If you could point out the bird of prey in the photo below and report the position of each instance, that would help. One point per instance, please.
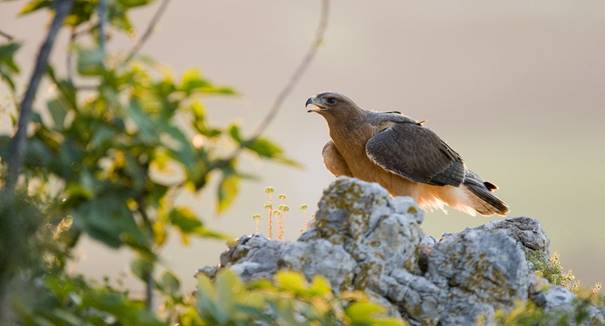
(402, 155)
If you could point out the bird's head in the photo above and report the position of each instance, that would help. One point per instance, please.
(332, 105)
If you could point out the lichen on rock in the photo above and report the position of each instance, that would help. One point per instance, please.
(364, 239)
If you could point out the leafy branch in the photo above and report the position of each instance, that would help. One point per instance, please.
(114, 155)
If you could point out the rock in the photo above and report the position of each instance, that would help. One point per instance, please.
(483, 266)
(362, 238)
(554, 297)
(321, 257)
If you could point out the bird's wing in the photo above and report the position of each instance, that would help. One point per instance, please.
(416, 153)
(334, 160)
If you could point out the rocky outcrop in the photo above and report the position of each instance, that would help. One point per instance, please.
(363, 238)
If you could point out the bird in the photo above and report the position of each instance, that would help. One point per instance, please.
(402, 155)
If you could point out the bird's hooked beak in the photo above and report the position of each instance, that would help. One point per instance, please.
(314, 104)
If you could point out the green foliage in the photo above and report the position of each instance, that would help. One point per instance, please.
(528, 314)
(83, 10)
(108, 160)
(289, 300)
(550, 268)
(263, 147)
(17, 235)
(8, 67)
(65, 300)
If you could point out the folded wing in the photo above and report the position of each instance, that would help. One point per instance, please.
(416, 153)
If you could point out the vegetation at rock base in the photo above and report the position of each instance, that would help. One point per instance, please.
(550, 268)
(290, 300)
(527, 313)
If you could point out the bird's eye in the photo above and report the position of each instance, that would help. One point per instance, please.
(330, 100)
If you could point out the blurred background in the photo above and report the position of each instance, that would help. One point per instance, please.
(516, 87)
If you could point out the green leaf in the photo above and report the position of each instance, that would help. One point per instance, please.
(86, 186)
(65, 88)
(141, 267)
(363, 312)
(58, 111)
(206, 296)
(228, 286)
(228, 188)
(181, 147)
(37, 154)
(184, 219)
(320, 287)
(147, 127)
(265, 148)
(90, 62)
(108, 220)
(290, 281)
(34, 5)
(192, 80)
(189, 224)
(8, 67)
(169, 284)
(134, 3)
(235, 133)
(102, 137)
(119, 306)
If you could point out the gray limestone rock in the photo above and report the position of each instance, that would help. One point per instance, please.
(362, 238)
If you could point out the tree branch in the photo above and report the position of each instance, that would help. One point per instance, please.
(7, 36)
(69, 56)
(102, 11)
(17, 146)
(148, 31)
(294, 78)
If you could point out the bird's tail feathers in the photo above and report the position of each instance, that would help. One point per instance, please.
(482, 200)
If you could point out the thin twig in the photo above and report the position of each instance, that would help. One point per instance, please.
(149, 302)
(150, 28)
(7, 36)
(294, 78)
(102, 12)
(300, 70)
(17, 146)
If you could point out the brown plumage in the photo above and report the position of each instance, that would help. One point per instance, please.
(402, 155)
